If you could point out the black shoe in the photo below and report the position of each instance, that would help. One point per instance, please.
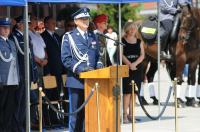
(180, 103)
(191, 102)
(34, 126)
(143, 100)
(155, 100)
(165, 56)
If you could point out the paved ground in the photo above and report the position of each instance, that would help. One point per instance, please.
(188, 118)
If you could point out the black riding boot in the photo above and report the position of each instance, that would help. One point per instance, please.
(166, 26)
(191, 102)
(143, 100)
(180, 103)
(199, 100)
(164, 54)
(155, 100)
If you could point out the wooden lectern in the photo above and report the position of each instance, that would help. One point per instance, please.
(106, 78)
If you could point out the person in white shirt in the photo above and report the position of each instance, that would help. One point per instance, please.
(111, 48)
(40, 58)
(38, 44)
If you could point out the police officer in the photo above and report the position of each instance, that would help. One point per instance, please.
(9, 77)
(79, 53)
(18, 38)
(168, 10)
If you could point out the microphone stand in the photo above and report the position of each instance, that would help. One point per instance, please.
(116, 88)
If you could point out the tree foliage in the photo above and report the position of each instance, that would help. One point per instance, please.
(128, 12)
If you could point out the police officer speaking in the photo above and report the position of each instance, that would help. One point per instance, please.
(79, 53)
(9, 77)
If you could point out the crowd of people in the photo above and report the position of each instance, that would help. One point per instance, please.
(78, 50)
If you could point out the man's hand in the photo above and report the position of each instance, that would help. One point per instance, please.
(44, 62)
(87, 68)
(99, 66)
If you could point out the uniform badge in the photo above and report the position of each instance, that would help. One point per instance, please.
(94, 44)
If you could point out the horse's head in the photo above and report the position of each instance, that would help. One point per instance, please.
(187, 24)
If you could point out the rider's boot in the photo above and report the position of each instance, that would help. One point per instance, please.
(191, 102)
(143, 100)
(163, 48)
(180, 103)
(198, 101)
(155, 100)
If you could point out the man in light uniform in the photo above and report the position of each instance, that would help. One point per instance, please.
(9, 77)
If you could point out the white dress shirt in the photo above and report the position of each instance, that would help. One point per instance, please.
(38, 44)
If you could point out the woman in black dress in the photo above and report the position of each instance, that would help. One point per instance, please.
(133, 55)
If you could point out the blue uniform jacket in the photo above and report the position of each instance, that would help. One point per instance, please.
(33, 67)
(6, 50)
(69, 58)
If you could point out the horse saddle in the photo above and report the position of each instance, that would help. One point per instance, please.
(148, 30)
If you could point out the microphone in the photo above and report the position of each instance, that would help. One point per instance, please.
(103, 35)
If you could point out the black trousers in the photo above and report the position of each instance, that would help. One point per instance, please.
(7, 108)
(20, 112)
(167, 26)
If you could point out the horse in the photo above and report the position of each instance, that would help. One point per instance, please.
(184, 49)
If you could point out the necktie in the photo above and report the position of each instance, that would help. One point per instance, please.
(54, 37)
(86, 37)
(8, 43)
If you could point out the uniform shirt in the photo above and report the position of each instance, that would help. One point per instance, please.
(4, 38)
(38, 44)
(82, 32)
(168, 9)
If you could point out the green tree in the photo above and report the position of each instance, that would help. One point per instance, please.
(128, 12)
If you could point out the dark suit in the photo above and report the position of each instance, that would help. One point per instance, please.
(53, 67)
(75, 65)
(53, 49)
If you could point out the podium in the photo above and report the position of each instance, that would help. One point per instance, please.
(106, 78)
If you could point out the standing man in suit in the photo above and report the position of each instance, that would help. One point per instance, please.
(53, 49)
(79, 53)
(9, 77)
